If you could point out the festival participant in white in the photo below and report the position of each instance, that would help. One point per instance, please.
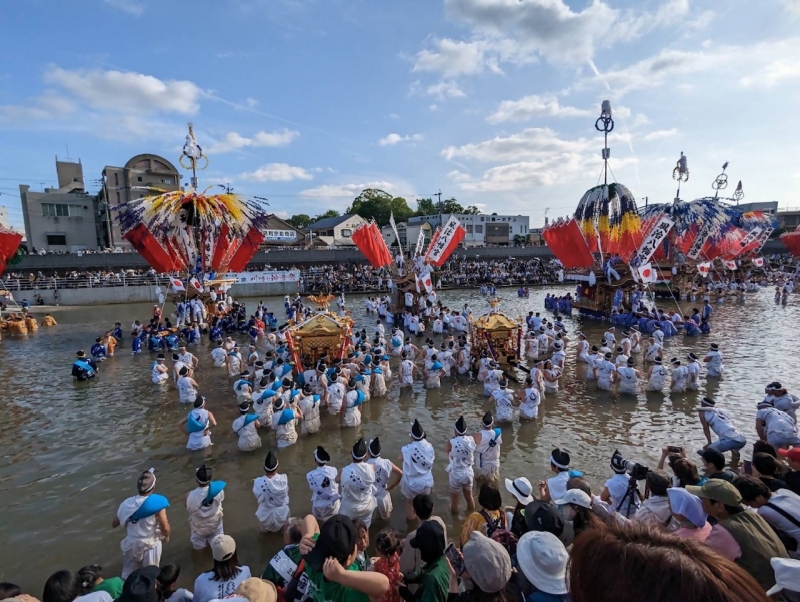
(272, 495)
(529, 399)
(324, 484)
(407, 370)
(187, 387)
(204, 506)
(144, 517)
(488, 440)
(417, 457)
(197, 425)
(713, 359)
(218, 355)
(461, 450)
(387, 477)
(336, 392)
(628, 378)
(716, 419)
(246, 428)
(159, 370)
(309, 406)
(656, 376)
(350, 414)
(775, 427)
(357, 481)
(283, 423)
(679, 376)
(504, 402)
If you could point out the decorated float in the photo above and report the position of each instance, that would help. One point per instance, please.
(323, 334)
(191, 233)
(792, 241)
(498, 334)
(612, 248)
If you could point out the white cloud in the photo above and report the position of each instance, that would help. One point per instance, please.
(127, 91)
(233, 141)
(277, 172)
(42, 108)
(773, 74)
(340, 191)
(669, 13)
(660, 134)
(434, 107)
(393, 139)
(458, 176)
(131, 7)
(530, 143)
(394, 116)
(534, 106)
(251, 102)
(793, 6)
(452, 58)
(443, 90)
(526, 174)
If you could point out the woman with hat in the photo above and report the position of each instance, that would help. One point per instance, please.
(461, 450)
(713, 360)
(417, 457)
(576, 506)
(387, 477)
(656, 376)
(204, 505)
(522, 490)
(324, 484)
(687, 510)
(197, 425)
(357, 480)
(488, 441)
(272, 495)
(144, 517)
(543, 559)
(488, 565)
(227, 574)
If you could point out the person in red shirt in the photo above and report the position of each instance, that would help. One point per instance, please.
(387, 543)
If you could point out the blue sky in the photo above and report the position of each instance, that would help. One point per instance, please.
(306, 102)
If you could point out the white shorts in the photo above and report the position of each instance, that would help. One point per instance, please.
(461, 481)
(411, 490)
(201, 541)
(384, 506)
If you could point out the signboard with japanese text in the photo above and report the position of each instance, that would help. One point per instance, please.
(654, 239)
(257, 277)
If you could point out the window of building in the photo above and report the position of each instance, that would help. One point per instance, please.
(61, 210)
(346, 232)
(116, 180)
(481, 219)
(75, 180)
(166, 180)
(493, 219)
(57, 240)
(479, 229)
(139, 178)
(118, 198)
(469, 228)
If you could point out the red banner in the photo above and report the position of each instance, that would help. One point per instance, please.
(565, 240)
(371, 244)
(445, 242)
(792, 242)
(148, 247)
(246, 251)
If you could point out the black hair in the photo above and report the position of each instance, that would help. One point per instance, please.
(360, 525)
(225, 570)
(387, 542)
(167, 578)
(489, 497)
(658, 482)
(750, 488)
(762, 446)
(9, 590)
(766, 465)
(715, 458)
(88, 576)
(580, 484)
(62, 586)
(423, 506)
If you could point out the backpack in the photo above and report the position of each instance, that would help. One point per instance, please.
(496, 531)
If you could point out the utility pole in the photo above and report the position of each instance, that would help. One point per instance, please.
(439, 205)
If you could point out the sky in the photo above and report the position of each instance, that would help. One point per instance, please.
(493, 102)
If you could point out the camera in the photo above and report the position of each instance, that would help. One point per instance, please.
(636, 470)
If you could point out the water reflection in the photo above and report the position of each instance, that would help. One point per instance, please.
(70, 453)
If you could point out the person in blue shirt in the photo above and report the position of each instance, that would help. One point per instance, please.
(117, 332)
(705, 326)
(136, 344)
(98, 351)
(156, 342)
(215, 333)
(172, 342)
(707, 310)
(692, 329)
(83, 368)
(193, 336)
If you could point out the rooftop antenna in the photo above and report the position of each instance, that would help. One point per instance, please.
(68, 159)
(721, 181)
(546, 209)
(605, 124)
(681, 174)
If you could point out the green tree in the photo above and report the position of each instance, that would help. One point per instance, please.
(472, 210)
(328, 213)
(379, 205)
(426, 207)
(300, 221)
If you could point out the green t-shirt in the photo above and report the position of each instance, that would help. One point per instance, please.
(435, 582)
(323, 590)
(112, 585)
(270, 574)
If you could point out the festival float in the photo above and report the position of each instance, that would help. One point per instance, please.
(612, 248)
(498, 334)
(792, 241)
(13, 323)
(323, 334)
(194, 234)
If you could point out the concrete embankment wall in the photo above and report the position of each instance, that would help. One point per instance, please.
(145, 293)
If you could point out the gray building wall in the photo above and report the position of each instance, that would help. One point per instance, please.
(72, 229)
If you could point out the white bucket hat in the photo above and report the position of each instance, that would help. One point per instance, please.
(521, 489)
(787, 575)
(577, 497)
(543, 560)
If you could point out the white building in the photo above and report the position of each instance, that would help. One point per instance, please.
(408, 233)
(336, 231)
(482, 229)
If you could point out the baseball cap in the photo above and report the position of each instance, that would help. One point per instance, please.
(544, 516)
(718, 491)
(577, 497)
(337, 538)
(792, 454)
(222, 547)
